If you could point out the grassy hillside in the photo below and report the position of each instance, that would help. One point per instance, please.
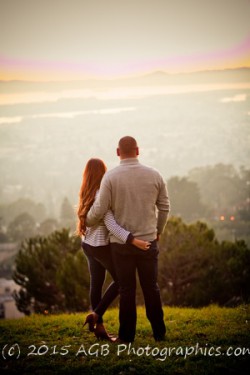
(211, 340)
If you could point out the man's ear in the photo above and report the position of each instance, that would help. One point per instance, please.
(137, 151)
(118, 152)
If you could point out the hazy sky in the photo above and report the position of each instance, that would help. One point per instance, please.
(74, 39)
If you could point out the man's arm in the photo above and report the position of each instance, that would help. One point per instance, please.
(101, 204)
(163, 205)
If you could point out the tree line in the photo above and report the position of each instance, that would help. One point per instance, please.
(218, 195)
(195, 269)
(25, 218)
(211, 192)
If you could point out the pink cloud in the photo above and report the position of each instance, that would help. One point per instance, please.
(242, 50)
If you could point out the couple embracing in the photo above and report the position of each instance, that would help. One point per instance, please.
(122, 213)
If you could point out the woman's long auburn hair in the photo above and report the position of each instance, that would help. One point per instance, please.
(91, 180)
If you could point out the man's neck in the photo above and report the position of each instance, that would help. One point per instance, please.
(123, 157)
(129, 161)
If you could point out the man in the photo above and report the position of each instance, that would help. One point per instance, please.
(134, 193)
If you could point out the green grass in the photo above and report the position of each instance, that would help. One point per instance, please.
(62, 346)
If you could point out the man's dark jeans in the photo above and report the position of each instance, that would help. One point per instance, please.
(127, 259)
(99, 260)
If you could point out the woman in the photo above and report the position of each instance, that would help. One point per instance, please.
(95, 244)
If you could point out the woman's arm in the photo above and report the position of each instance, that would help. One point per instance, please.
(121, 233)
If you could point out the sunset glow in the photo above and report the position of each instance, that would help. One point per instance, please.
(34, 70)
(55, 41)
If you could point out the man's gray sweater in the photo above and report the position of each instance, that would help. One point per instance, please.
(138, 197)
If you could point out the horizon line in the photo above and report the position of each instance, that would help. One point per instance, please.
(127, 77)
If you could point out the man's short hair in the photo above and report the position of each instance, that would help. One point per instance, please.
(127, 145)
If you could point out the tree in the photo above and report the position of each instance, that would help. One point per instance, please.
(67, 215)
(48, 226)
(12, 210)
(73, 280)
(23, 226)
(196, 270)
(185, 198)
(220, 186)
(184, 260)
(42, 271)
(231, 273)
(3, 236)
(244, 207)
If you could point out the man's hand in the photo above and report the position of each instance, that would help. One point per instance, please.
(143, 245)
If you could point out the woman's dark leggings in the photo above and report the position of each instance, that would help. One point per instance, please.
(99, 260)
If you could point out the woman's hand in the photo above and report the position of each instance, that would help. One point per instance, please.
(143, 245)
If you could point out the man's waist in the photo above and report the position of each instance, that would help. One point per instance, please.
(145, 237)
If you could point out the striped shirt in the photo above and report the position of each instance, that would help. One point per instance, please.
(98, 235)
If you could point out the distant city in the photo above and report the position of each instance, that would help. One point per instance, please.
(181, 122)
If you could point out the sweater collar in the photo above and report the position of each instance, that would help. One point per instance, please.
(129, 161)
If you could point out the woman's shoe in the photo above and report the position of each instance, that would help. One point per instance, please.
(102, 334)
(91, 320)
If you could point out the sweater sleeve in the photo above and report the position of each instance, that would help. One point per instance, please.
(163, 206)
(119, 232)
